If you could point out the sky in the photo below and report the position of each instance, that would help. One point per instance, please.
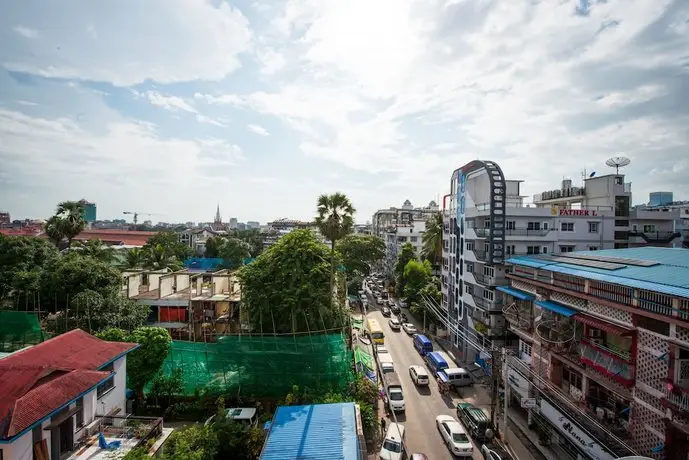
(171, 107)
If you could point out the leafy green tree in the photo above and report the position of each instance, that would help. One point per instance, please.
(158, 257)
(360, 252)
(253, 236)
(22, 263)
(68, 221)
(286, 288)
(335, 220)
(433, 240)
(416, 276)
(165, 387)
(134, 258)
(145, 362)
(406, 254)
(213, 245)
(237, 440)
(234, 251)
(96, 249)
(194, 442)
(171, 245)
(53, 230)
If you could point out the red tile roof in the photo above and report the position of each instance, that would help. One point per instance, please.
(39, 380)
(23, 231)
(131, 237)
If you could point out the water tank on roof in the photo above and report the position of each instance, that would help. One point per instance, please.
(566, 184)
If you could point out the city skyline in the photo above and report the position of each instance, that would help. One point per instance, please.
(274, 104)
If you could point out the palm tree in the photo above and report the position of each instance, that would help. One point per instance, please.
(97, 250)
(135, 258)
(433, 240)
(71, 220)
(53, 229)
(335, 220)
(158, 258)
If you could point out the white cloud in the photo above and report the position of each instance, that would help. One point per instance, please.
(165, 41)
(260, 130)
(27, 32)
(271, 61)
(169, 102)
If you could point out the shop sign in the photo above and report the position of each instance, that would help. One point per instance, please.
(518, 383)
(528, 403)
(573, 433)
(555, 211)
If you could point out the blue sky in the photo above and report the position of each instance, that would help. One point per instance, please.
(172, 106)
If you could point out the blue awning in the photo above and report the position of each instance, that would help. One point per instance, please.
(521, 295)
(556, 307)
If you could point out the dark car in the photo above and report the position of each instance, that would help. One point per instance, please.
(386, 311)
(494, 452)
(395, 309)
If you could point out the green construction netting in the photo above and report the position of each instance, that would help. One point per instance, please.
(19, 329)
(263, 366)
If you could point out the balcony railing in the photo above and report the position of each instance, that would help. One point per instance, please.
(487, 304)
(622, 354)
(678, 399)
(656, 237)
(480, 255)
(484, 232)
(484, 279)
(607, 363)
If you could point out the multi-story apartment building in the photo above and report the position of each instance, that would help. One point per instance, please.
(397, 226)
(281, 227)
(363, 229)
(603, 349)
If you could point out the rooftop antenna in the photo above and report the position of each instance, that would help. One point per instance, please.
(617, 163)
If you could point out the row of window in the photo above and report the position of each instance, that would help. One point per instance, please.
(487, 293)
(403, 239)
(564, 226)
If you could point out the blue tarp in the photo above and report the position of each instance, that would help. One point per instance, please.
(207, 263)
(556, 307)
(521, 295)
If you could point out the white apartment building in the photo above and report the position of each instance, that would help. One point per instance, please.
(397, 226)
(487, 221)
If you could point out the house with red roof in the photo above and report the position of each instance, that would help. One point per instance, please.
(54, 393)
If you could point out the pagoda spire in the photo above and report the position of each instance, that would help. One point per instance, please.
(218, 219)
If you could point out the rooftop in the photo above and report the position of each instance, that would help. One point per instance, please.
(320, 431)
(664, 270)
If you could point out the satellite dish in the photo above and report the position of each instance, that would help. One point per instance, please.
(617, 163)
(592, 174)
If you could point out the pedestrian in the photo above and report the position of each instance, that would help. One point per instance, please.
(382, 425)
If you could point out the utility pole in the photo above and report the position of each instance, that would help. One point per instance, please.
(495, 370)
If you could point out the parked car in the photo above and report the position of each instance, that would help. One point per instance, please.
(475, 420)
(387, 366)
(395, 308)
(392, 444)
(386, 311)
(238, 414)
(379, 300)
(409, 328)
(418, 456)
(394, 324)
(454, 436)
(419, 376)
(381, 349)
(494, 452)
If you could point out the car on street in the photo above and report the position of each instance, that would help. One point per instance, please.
(392, 444)
(394, 324)
(454, 436)
(387, 366)
(391, 302)
(379, 300)
(386, 312)
(246, 415)
(418, 456)
(395, 308)
(409, 328)
(419, 376)
(494, 452)
(381, 349)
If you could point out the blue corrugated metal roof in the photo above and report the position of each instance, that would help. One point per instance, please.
(521, 295)
(556, 307)
(319, 431)
(670, 276)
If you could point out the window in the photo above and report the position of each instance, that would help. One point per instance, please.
(649, 228)
(621, 235)
(469, 289)
(489, 271)
(566, 248)
(593, 227)
(533, 226)
(567, 226)
(593, 248)
(545, 225)
(414, 239)
(545, 249)
(533, 250)
(486, 223)
(104, 387)
(572, 377)
(511, 225)
(470, 267)
(470, 245)
(509, 249)
(79, 419)
(488, 295)
(525, 348)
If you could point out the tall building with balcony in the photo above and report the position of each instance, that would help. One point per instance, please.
(604, 349)
(397, 226)
(486, 220)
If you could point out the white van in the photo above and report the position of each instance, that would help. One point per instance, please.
(392, 444)
(393, 389)
(459, 377)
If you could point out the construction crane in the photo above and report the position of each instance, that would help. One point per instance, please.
(137, 214)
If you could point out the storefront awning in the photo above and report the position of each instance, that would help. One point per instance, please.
(602, 325)
(521, 295)
(556, 308)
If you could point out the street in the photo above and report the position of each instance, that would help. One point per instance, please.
(423, 405)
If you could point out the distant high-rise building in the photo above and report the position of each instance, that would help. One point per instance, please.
(5, 218)
(233, 222)
(659, 198)
(252, 224)
(241, 226)
(89, 210)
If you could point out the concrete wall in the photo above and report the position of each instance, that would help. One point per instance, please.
(154, 280)
(182, 280)
(116, 397)
(22, 447)
(167, 284)
(133, 283)
(221, 284)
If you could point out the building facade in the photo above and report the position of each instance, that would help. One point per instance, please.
(89, 211)
(604, 350)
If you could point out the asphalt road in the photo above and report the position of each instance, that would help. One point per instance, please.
(423, 405)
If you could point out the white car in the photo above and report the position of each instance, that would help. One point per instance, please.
(392, 444)
(418, 375)
(454, 436)
(409, 328)
(387, 366)
(394, 324)
(381, 349)
(379, 300)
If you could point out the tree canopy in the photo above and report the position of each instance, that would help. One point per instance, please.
(96, 249)
(170, 244)
(233, 251)
(67, 222)
(360, 252)
(406, 254)
(416, 276)
(433, 239)
(286, 288)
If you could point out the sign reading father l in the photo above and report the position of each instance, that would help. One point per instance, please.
(573, 212)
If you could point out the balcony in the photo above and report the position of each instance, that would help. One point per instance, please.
(608, 362)
(484, 279)
(487, 304)
(480, 255)
(677, 392)
(656, 237)
(485, 232)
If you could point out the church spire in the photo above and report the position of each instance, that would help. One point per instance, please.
(218, 219)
